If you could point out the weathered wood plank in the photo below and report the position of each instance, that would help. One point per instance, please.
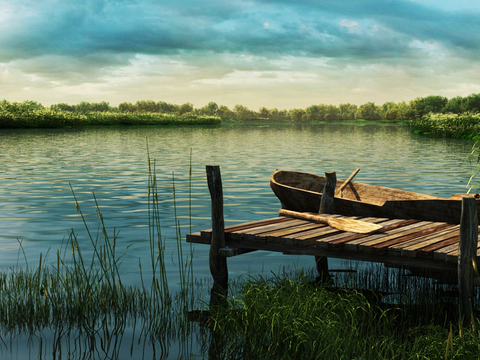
(286, 233)
(467, 259)
(389, 226)
(217, 261)
(431, 239)
(375, 238)
(248, 225)
(326, 207)
(240, 234)
(441, 254)
(394, 247)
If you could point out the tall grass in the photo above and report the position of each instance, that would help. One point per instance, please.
(85, 295)
(448, 125)
(287, 317)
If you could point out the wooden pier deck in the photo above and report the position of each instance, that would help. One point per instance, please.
(410, 243)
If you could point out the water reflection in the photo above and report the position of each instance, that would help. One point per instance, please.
(37, 166)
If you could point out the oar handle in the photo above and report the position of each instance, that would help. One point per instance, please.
(349, 179)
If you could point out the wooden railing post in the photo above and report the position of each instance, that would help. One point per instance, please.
(467, 253)
(218, 262)
(326, 207)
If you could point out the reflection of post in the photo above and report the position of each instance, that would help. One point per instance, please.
(467, 252)
(326, 207)
(218, 262)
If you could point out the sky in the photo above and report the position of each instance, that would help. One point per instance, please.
(258, 53)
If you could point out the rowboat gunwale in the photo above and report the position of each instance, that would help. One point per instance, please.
(372, 200)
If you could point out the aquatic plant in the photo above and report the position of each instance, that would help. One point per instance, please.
(34, 115)
(85, 295)
(466, 125)
(287, 317)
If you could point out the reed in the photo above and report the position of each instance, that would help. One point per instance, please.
(287, 317)
(26, 115)
(85, 295)
(464, 125)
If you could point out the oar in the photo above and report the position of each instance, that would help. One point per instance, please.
(351, 225)
(349, 179)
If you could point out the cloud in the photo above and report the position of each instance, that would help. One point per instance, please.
(112, 47)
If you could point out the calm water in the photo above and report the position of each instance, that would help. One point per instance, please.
(37, 166)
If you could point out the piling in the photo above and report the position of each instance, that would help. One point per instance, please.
(217, 261)
(326, 207)
(467, 263)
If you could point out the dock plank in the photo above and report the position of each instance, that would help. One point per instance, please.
(404, 242)
(339, 242)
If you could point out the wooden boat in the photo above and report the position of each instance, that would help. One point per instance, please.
(299, 191)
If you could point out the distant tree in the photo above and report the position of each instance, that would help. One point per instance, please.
(347, 111)
(471, 103)
(210, 109)
(146, 106)
(422, 106)
(368, 111)
(99, 107)
(243, 113)
(126, 107)
(297, 115)
(84, 107)
(166, 108)
(62, 107)
(454, 105)
(224, 112)
(264, 113)
(275, 115)
(313, 113)
(332, 113)
(185, 108)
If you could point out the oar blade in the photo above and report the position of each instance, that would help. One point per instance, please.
(355, 226)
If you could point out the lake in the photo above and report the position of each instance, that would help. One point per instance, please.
(38, 166)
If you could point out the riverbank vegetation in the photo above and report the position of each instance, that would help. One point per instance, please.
(289, 318)
(457, 117)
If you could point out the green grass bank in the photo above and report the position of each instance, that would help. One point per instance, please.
(465, 126)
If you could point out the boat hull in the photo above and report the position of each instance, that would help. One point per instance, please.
(303, 192)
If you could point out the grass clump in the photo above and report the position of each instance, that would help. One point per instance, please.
(464, 125)
(289, 318)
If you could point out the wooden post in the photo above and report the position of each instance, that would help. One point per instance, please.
(218, 262)
(326, 203)
(467, 252)
(326, 207)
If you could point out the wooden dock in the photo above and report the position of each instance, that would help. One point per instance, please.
(411, 243)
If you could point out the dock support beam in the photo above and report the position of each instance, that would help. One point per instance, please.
(467, 262)
(326, 207)
(217, 261)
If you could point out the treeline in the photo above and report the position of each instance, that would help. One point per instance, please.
(127, 112)
(389, 111)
